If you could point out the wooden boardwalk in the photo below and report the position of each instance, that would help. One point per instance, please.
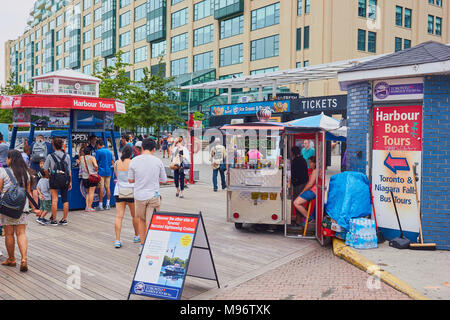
(85, 245)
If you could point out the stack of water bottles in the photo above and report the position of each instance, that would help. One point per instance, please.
(362, 234)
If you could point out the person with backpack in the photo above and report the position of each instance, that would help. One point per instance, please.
(4, 147)
(14, 184)
(39, 152)
(218, 155)
(57, 165)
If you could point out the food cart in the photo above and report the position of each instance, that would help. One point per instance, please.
(66, 100)
(259, 192)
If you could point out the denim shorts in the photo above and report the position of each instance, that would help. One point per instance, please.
(308, 195)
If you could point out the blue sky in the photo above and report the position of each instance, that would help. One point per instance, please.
(13, 20)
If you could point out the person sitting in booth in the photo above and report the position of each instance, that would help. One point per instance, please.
(308, 193)
(308, 151)
(92, 146)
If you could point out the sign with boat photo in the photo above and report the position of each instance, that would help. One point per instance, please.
(164, 260)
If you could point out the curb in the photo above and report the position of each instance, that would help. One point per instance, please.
(344, 252)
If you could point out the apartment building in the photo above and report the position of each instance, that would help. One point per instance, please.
(203, 40)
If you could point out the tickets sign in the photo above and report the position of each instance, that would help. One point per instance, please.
(397, 150)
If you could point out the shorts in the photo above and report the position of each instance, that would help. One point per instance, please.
(87, 184)
(46, 205)
(164, 146)
(144, 209)
(64, 194)
(308, 195)
(104, 181)
(126, 200)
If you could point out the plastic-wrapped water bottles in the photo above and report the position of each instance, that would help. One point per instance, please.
(362, 234)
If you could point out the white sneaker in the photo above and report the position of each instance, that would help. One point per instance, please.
(107, 207)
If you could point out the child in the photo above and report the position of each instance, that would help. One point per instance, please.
(43, 190)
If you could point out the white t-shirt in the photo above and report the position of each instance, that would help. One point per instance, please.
(147, 171)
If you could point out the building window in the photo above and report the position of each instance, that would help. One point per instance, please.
(408, 15)
(362, 8)
(203, 9)
(139, 74)
(179, 18)
(438, 26)
(124, 3)
(140, 12)
(306, 63)
(176, 1)
(126, 57)
(430, 24)
(179, 42)
(406, 44)
(87, 69)
(372, 42)
(398, 44)
(178, 67)
(98, 49)
(231, 55)
(86, 4)
(58, 65)
(59, 20)
(299, 7)
(124, 39)
(264, 71)
(58, 50)
(266, 16)
(373, 9)
(398, 16)
(306, 38)
(307, 6)
(140, 33)
(231, 27)
(87, 19)
(98, 32)
(203, 35)
(203, 61)
(125, 19)
(87, 36)
(87, 53)
(299, 39)
(158, 49)
(59, 35)
(140, 54)
(361, 40)
(265, 48)
(98, 14)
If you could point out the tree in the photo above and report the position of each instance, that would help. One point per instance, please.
(10, 89)
(117, 85)
(151, 101)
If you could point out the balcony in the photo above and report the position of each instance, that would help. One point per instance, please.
(229, 10)
(40, 4)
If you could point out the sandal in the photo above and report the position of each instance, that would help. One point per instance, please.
(24, 266)
(9, 262)
(117, 244)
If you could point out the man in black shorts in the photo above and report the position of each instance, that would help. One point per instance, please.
(57, 166)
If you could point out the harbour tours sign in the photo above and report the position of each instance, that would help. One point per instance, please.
(396, 162)
(176, 246)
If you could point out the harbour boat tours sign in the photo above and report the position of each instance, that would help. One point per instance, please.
(176, 246)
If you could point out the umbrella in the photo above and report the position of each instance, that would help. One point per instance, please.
(319, 121)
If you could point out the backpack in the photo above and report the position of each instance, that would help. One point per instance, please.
(39, 151)
(59, 176)
(14, 199)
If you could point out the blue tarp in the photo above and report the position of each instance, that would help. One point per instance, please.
(348, 197)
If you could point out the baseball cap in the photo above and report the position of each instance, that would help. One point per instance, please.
(138, 144)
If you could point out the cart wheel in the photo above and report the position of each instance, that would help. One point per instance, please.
(326, 241)
(238, 225)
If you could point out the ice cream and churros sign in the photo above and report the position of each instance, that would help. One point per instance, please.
(250, 108)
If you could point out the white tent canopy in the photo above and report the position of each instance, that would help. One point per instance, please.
(284, 77)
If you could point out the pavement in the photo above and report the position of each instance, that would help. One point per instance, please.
(410, 274)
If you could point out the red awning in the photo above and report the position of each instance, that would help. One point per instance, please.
(32, 101)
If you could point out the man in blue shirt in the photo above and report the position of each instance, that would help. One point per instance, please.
(307, 152)
(104, 159)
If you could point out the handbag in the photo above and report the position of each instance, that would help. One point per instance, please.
(94, 178)
(124, 193)
(176, 163)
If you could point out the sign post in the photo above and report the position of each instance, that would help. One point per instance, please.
(396, 149)
(176, 246)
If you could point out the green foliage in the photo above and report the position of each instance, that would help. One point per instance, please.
(146, 101)
(11, 89)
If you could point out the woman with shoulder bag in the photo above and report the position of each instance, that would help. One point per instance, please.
(18, 172)
(180, 155)
(124, 195)
(88, 170)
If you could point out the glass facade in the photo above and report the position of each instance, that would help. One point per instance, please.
(203, 61)
(108, 28)
(158, 49)
(203, 35)
(178, 67)
(231, 55)
(266, 16)
(225, 8)
(265, 48)
(231, 27)
(179, 42)
(179, 18)
(203, 9)
(49, 53)
(156, 20)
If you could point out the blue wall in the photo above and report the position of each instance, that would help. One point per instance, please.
(359, 101)
(435, 198)
(436, 162)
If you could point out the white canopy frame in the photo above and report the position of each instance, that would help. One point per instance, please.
(285, 77)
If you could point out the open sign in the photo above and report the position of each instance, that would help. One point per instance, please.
(80, 137)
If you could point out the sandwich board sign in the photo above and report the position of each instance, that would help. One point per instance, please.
(176, 246)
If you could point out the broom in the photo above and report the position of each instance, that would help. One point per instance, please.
(421, 245)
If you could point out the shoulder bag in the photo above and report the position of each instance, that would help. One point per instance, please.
(94, 178)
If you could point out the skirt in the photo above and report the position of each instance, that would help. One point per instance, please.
(8, 221)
